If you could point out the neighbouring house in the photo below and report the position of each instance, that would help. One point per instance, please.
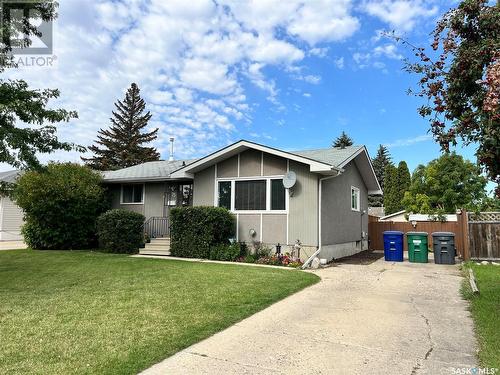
(325, 209)
(396, 217)
(11, 215)
(376, 211)
(404, 217)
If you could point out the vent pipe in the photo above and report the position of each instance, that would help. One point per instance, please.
(171, 158)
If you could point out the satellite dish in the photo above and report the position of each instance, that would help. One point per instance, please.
(289, 180)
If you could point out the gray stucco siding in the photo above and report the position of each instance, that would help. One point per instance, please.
(274, 228)
(303, 206)
(203, 187)
(228, 168)
(154, 197)
(339, 223)
(250, 163)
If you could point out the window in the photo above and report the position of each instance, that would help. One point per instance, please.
(354, 198)
(277, 195)
(265, 194)
(250, 195)
(225, 194)
(132, 194)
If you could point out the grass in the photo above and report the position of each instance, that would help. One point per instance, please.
(485, 310)
(93, 313)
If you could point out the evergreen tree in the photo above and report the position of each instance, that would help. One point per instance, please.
(380, 163)
(121, 145)
(391, 191)
(343, 141)
(404, 181)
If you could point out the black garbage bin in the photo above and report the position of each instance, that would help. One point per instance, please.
(443, 244)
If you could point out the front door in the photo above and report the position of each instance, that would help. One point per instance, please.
(177, 195)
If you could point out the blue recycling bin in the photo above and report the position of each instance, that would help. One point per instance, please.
(393, 246)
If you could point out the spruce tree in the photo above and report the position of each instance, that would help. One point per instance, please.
(380, 162)
(404, 182)
(343, 141)
(120, 146)
(391, 192)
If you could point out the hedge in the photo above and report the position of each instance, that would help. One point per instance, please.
(61, 204)
(120, 231)
(195, 231)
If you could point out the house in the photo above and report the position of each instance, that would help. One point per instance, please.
(396, 217)
(404, 217)
(325, 209)
(11, 215)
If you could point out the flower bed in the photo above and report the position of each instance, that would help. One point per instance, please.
(284, 260)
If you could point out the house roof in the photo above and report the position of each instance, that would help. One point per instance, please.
(329, 161)
(333, 155)
(393, 214)
(150, 171)
(9, 177)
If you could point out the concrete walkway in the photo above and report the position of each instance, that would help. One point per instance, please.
(12, 245)
(380, 318)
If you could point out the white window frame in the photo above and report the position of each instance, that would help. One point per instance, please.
(254, 178)
(133, 203)
(358, 200)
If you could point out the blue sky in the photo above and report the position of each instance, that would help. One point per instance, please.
(287, 74)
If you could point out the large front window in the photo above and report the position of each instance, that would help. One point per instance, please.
(265, 194)
(250, 195)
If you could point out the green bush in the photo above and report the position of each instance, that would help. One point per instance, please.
(196, 230)
(61, 205)
(120, 231)
(225, 252)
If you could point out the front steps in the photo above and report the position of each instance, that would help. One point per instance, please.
(157, 246)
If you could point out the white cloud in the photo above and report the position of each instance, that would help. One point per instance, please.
(192, 61)
(339, 63)
(399, 14)
(408, 141)
(388, 50)
(307, 95)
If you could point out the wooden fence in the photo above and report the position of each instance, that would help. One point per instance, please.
(484, 235)
(476, 236)
(376, 231)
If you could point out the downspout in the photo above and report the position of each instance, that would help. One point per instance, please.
(320, 187)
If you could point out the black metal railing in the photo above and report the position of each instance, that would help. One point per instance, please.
(157, 227)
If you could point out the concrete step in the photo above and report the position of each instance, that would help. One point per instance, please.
(155, 245)
(154, 252)
(160, 240)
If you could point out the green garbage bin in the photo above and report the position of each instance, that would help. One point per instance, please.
(417, 247)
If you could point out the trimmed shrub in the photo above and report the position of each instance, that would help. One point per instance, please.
(61, 205)
(196, 230)
(225, 252)
(120, 231)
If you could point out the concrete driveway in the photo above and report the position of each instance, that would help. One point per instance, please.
(378, 318)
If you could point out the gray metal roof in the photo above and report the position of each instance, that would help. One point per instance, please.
(333, 155)
(9, 177)
(153, 170)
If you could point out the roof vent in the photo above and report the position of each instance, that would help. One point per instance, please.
(171, 158)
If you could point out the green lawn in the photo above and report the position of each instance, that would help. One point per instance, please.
(485, 310)
(93, 313)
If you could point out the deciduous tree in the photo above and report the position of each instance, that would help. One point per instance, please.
(461, 84)
(27, 124)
